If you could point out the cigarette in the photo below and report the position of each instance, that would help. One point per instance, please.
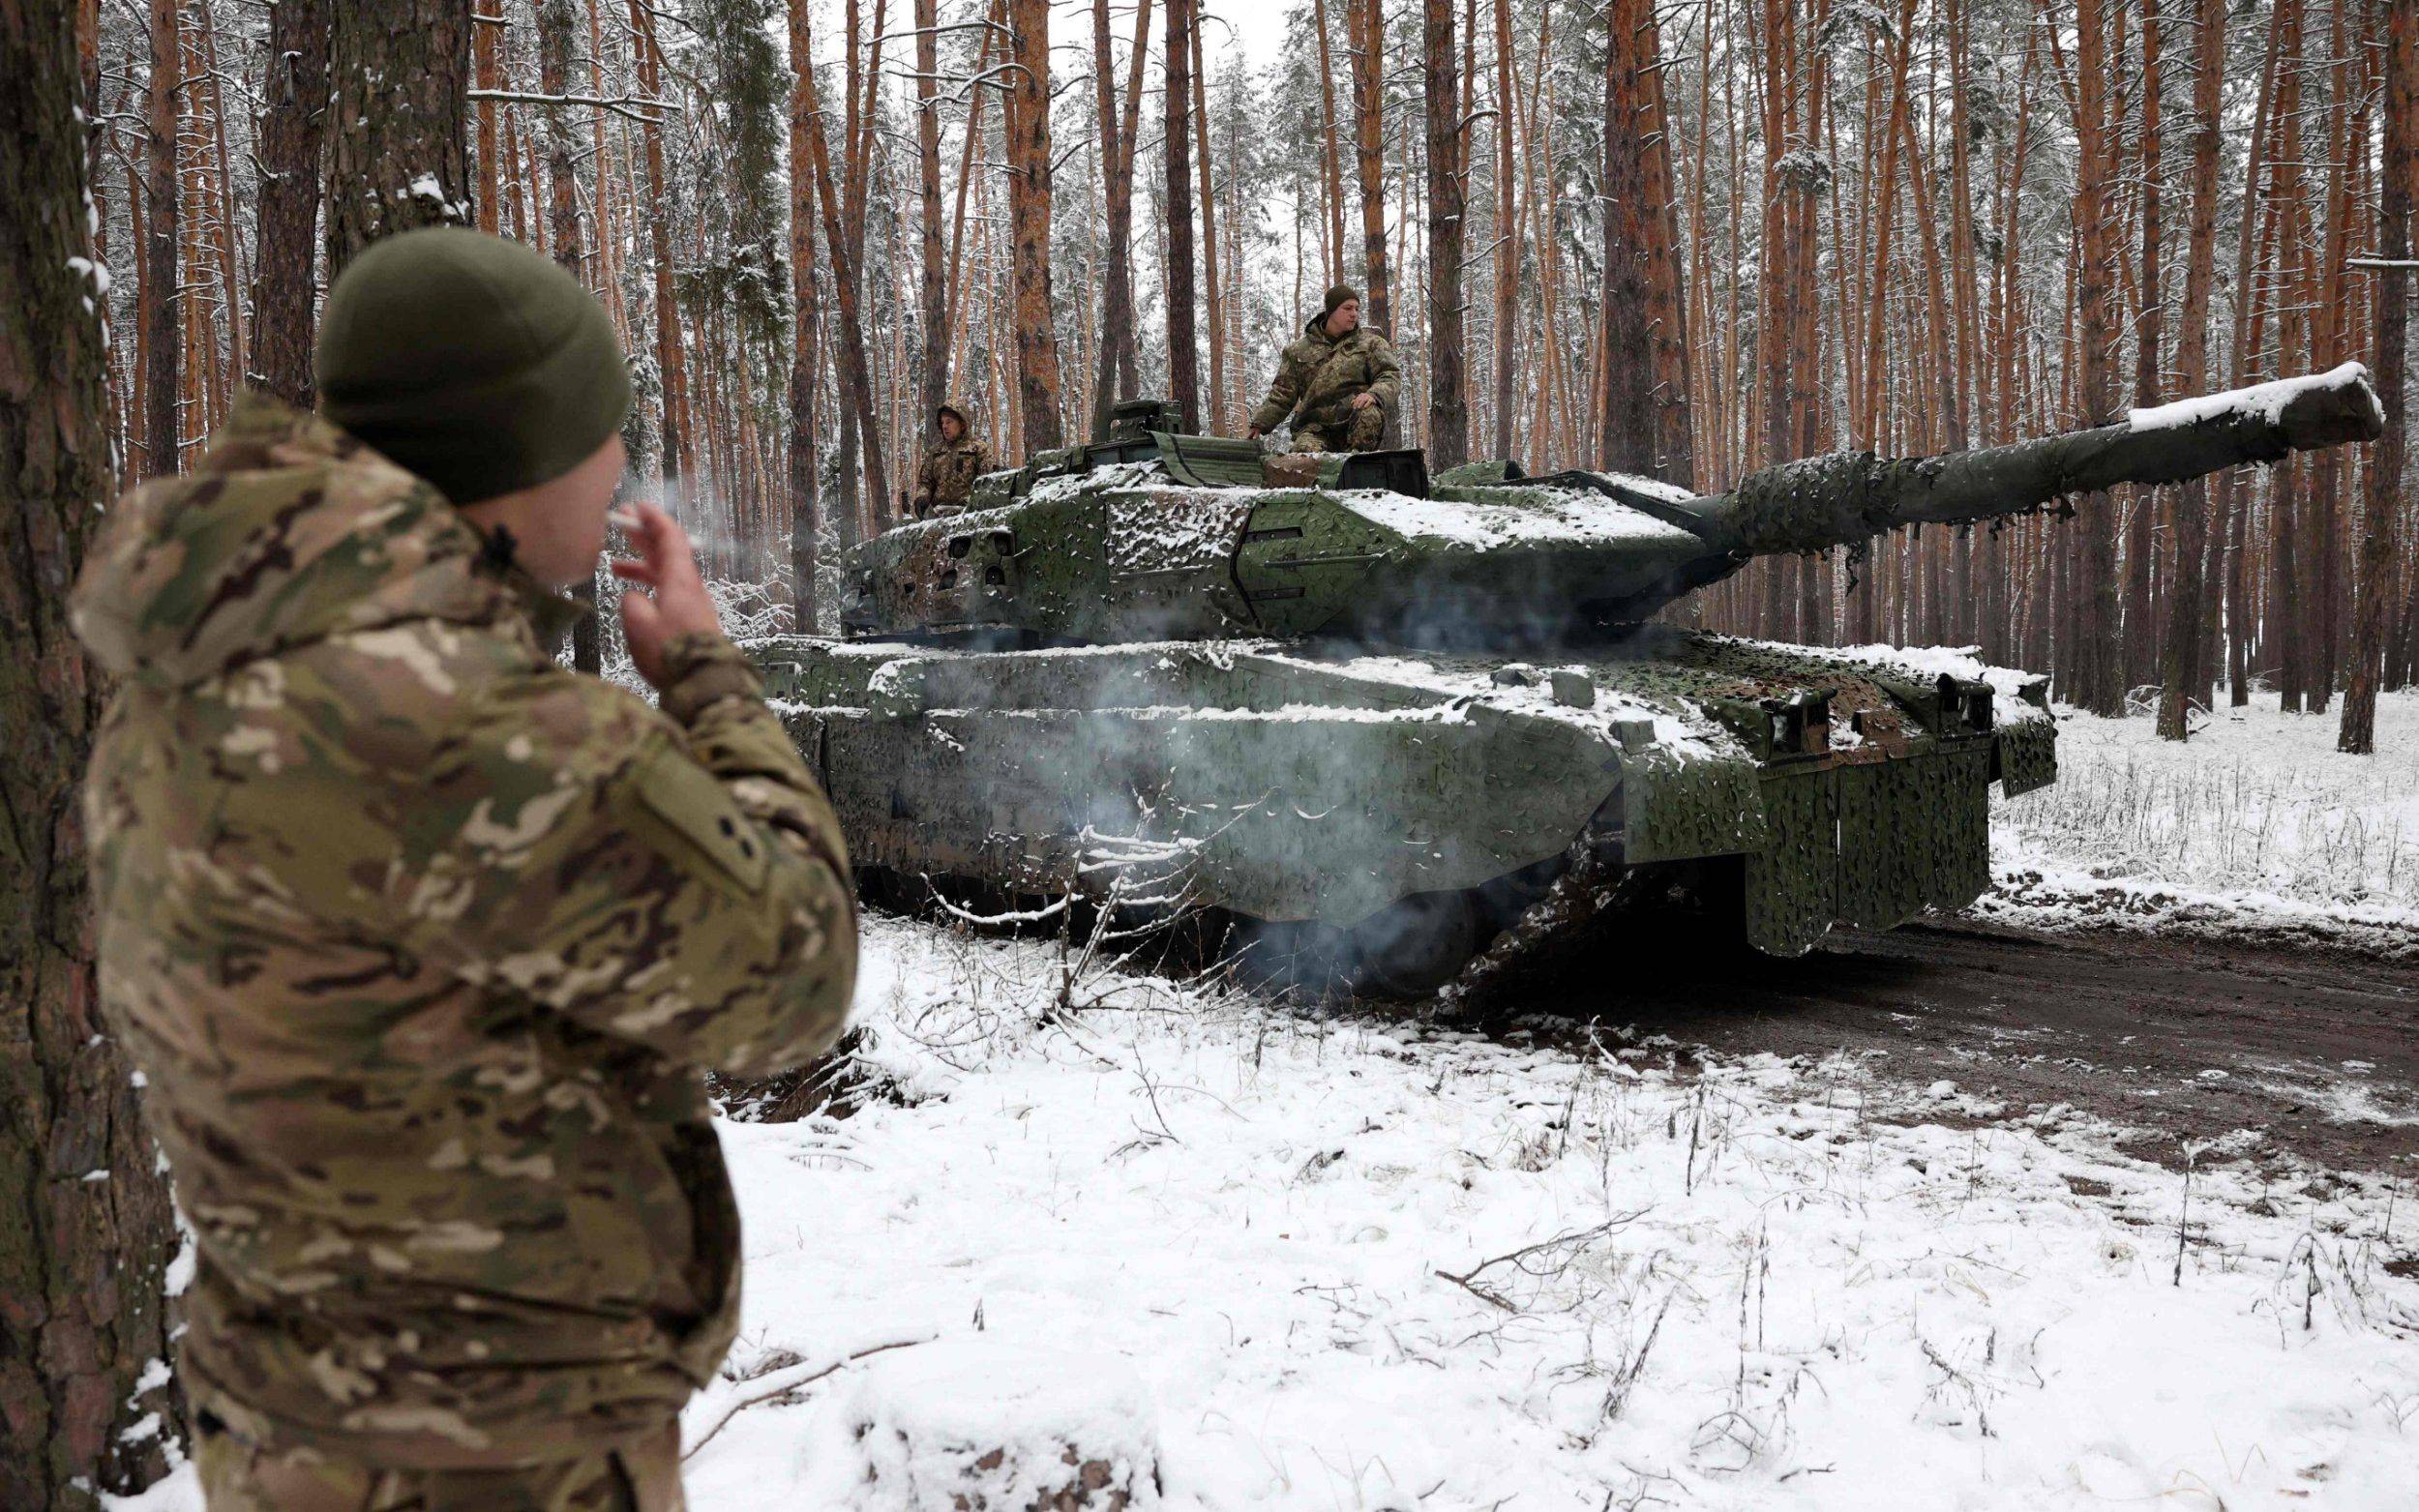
(621, 517)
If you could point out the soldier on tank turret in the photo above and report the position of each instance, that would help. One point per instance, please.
(950, 467)
(1337, 384)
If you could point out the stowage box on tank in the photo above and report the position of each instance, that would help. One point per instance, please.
(1414, 730)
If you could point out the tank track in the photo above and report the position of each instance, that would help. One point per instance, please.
(1594, 886)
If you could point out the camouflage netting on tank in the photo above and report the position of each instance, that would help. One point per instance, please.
(1808, 505)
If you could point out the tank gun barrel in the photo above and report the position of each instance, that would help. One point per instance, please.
(1846, 497)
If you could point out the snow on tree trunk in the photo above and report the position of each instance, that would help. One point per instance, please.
(285, 283)
(1448, 412)
(398, 156)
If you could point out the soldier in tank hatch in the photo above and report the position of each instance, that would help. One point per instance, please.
(420, 940)
(950, 465)
(1337, 383)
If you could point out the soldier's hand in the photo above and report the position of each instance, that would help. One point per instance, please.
(1255, 433)
(1363, 401)
(680, 604)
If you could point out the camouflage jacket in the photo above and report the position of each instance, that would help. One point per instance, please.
(1318, 376)
(420, 942)
(949, 472)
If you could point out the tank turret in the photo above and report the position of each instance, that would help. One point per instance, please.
(1152, 534)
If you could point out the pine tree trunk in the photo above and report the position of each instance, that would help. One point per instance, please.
(555, 19)
(1368, 50)
(162, 309)
(669, 361)
(1214, 412)
(1507, 233)
(1667, 319)
(285, 288)
(2398, 184)
(806, 520)
(934, 389)
(1626, 426)
(1183, 356)
(856, 378)
(1117, 377)
(1028, 215)
(2098, 646)
(2140, 644)
(397, 152)
(1448, 412)
(85, 1230)
(1331, 162)
(487, 75)
(2184, 650)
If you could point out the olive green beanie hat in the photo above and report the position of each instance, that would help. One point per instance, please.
(471, 361)
(1337, 294)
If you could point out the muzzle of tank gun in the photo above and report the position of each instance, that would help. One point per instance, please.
(1846, 497)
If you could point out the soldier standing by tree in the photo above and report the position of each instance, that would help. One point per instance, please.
(1337, 383)
(421, 939)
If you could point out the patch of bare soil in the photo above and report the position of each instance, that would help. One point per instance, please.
(2181, 1040)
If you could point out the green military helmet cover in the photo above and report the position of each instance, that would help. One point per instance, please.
(471, 361)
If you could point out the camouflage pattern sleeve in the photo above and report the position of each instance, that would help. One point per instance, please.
(674, 879)
(1385, 373)
(1283, 394)
(927, 483)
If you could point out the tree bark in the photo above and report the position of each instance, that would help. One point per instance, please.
(855, 373)
(1028, 217)
(2140, 642)
(397, 150)
(85, 1230)
(670, 365)
(1626, 435)
(1448, 411)
(806, 520)
(163, 301)
(1368, 50)
(1118, 360)
(1507, 232)
(934, 388)
(2097, 652)
(2183, 651)
(487, 72)
(1331, 162)
(285, 274)
(1213, 414)
(555, 20)
(2397, 184)
(1184, 355)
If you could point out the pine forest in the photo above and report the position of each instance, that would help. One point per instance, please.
(1683, 240)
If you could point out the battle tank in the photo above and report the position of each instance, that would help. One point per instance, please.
(1411, 732)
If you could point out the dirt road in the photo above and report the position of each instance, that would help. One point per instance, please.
(2184, 1040)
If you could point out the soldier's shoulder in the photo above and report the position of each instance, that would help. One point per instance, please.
(402, 700)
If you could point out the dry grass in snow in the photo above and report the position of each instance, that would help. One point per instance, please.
(2256, 823)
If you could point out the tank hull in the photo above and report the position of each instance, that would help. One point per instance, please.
(1324, 787)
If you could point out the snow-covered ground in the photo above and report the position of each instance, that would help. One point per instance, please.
(1344, 1264)
(2256, 823)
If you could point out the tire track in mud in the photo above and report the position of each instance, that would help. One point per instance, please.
(2181, 1040)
